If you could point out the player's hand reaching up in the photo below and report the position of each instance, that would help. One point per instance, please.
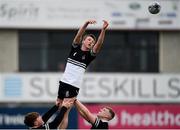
(58, 102)
(105, 24)
(68, 102)
(91, 22)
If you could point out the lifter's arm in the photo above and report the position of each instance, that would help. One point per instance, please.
(49, 113)
(84, 112)
(81, 31)
(67, 103)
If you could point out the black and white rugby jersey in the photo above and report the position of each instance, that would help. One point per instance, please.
(99, 124)
(77, 63)
(57, 120)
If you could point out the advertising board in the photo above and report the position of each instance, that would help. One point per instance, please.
(139, 116)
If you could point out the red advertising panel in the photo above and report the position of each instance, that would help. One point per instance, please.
(139, 116)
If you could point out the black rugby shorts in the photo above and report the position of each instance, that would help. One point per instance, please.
(67, 90)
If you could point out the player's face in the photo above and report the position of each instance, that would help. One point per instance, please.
(88, 42)
(39, 121)
(104, 113)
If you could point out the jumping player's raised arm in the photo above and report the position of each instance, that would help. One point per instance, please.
(97, 46)
(81, 31)
(84, 112)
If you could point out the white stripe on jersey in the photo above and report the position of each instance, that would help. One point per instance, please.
(97, 122)
(47, 126)
(73, 75)
(76, 63)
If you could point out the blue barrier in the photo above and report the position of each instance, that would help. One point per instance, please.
(13, 118)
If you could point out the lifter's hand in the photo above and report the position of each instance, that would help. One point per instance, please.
(105, 24)
(58, 102)
(68, 102)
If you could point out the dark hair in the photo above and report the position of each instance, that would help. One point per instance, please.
(90, 35)
(30, 118)
(111, 112)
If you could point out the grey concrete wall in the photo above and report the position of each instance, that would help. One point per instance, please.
(169, 56)
(8, 51)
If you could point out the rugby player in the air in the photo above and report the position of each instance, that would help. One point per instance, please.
(83, 50)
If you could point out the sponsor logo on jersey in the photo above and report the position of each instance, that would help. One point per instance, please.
(74, 53)
(83, 57)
